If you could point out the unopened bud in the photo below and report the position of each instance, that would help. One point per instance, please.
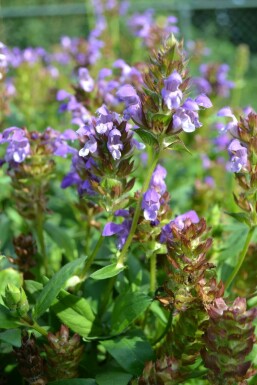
(16, 300)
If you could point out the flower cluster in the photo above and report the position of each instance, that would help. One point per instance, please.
(152, 197)
(213, 80)
(89, 92)
(103, 165)
(229, 338)
(161, 108)
(152, 32)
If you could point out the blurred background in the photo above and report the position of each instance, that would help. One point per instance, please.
(227, 27)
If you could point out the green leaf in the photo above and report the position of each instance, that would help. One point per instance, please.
(107, 271)
(127, 308)
(233, 244)
(12, 337)
(147, 136)
(154, 95)
(32, 287)
(61, 238)
(53, 287)
(240, 217)
(131, 352)
(74, 381)
(176, 144)
(75, 312)
(6, 320)
(113, 376)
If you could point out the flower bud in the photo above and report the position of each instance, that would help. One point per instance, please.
(16, 300)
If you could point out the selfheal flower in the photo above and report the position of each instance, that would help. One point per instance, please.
(90, 147)
(238, 156)
(85, 80)
(114, 143)
(157, 180)
(231, 126)
(121, 230)
(18, 144)
(171, 93)
(179, 222)
(133, 110)
(186, 117)
(141, 23)
(151, 204)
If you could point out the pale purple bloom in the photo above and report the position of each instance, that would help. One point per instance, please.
(18, 144)
(203, 101)
(151, 204)
(66, 42)
(121, 230)
(209, 181)
(85, 80)
(186, 117)
(128, 95)
(104, 73)
(179, 222)
(114, 143)
(233, 124)
(205, 161)
(214, 80)
(157, 180)
(202, 85)
(141, 23)
(171, 93)
(185, 120)
(89, 147)
(238, 156)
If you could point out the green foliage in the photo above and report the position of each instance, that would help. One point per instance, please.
(107, 271)
(130, 351)
(53, 287)
(127, 308)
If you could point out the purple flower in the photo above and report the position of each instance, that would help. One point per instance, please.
(203, 101)
(157, 180)
(141, 23)
(128, 95)
(179, 222)
(90, 147)
(232, 125)
(238, 156)
(18, 144)
(121, 230)
(171, 93)
(186, 117)
(114, 143)
(85, 80)
(151, 204)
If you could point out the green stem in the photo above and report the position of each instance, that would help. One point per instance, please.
(107, 295)
(138, 210)
(241, 257)
(34, 325)
(91, 258)
(41, 240)
(153, 261)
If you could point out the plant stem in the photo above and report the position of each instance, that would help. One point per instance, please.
(138, 209)
(241, 257)
(91, 258)
(41, 240)
(153, 261)
(34, 325)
